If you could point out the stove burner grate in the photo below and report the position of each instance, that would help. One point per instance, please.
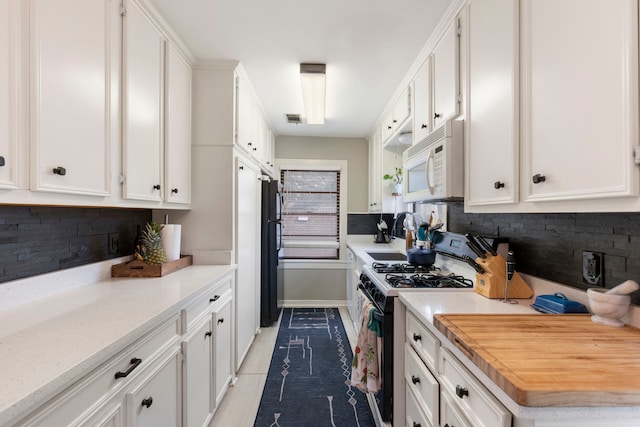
(427, 280)
(381, 267)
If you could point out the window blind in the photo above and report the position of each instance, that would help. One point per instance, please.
(310, 214)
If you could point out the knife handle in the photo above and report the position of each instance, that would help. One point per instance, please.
(475, 246)
(486, 245)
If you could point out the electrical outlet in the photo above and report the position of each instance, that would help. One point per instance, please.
(113, 243)
(593, 268)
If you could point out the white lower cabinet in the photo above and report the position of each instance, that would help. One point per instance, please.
(222, 321)
(439, 390)
(155, 402)
(472, 398)
(450, 416)
(175, 375)
(197, 374)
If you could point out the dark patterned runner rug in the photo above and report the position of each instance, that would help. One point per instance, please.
(308, 383)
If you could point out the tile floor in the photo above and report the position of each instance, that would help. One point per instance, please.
(240, 405)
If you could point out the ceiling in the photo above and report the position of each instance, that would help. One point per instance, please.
(368, 46)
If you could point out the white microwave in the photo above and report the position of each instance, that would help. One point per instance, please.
(433, 168)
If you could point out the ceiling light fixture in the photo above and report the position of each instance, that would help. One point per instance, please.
(312, 77)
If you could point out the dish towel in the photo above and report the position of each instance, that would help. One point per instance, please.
(365, 369)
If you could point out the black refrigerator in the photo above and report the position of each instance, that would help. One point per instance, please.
(272, 283)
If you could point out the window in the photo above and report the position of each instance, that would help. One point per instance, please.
(310, 213)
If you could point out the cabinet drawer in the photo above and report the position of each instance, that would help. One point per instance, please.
(474, 400)
(425, 343)
(450, 415)
(414, 415)
(420, 381)
(204, 303)
(91, 391)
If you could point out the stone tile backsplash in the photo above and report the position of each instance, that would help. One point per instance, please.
(41, 239)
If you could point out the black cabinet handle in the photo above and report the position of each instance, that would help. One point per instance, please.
(537, 178)
(147, 402)
(436, 115)
(156, 187)
(389, 127)
(249, 144)
(1, 161)
(461, 391)
(423, 126)
(417, 337)
(395, 121)
(241, 168)
(174, 190)
(135, 362)
(207, 334)
(59, 171)
(415, 379)
(215, 298)
(255, 149)
(221, 320)
(498, 185)
(415, 424)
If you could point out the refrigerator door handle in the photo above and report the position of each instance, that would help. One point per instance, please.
(279, 246)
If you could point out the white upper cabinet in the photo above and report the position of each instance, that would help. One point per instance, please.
(492, 113)
(177, 128)
(446, 88)
(70, 104)
(10, 117)
(422, 102)
(375, 172)
(580, 99)
(143, 114)
(244, 115)
(398, 120)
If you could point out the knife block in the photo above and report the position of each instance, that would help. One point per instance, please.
(491, 283)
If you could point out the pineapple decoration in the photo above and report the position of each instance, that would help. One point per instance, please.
(154, 253)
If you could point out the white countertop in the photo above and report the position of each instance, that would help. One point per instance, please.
(47, 344)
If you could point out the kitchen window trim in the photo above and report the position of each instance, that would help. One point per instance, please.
(321, 165)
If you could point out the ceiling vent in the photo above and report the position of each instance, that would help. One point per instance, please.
(294, 118)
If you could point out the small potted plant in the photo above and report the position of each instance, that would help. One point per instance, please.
(395, 184)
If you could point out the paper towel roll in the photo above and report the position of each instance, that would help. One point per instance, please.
(170, 237)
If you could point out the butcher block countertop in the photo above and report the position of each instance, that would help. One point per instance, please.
(550, 360)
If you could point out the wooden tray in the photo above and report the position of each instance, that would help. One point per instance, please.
(137, 268)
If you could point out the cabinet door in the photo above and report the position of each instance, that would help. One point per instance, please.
(401, 109)
(580, 106)
(446, 59)
(142, 120)
(248, 192)
(10, 117)
(156, 401)
(177, 128)
(223, 363)
(244, 115)
(257, 125)
(197, 375)
(492, 117)
(422, 102)
(387, 126)
(375, 172)
(70, 98)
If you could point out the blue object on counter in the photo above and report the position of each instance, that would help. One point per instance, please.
(558, 303)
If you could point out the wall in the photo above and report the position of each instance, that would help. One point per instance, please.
(550, 245)
(41, 239)
(354, 150)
